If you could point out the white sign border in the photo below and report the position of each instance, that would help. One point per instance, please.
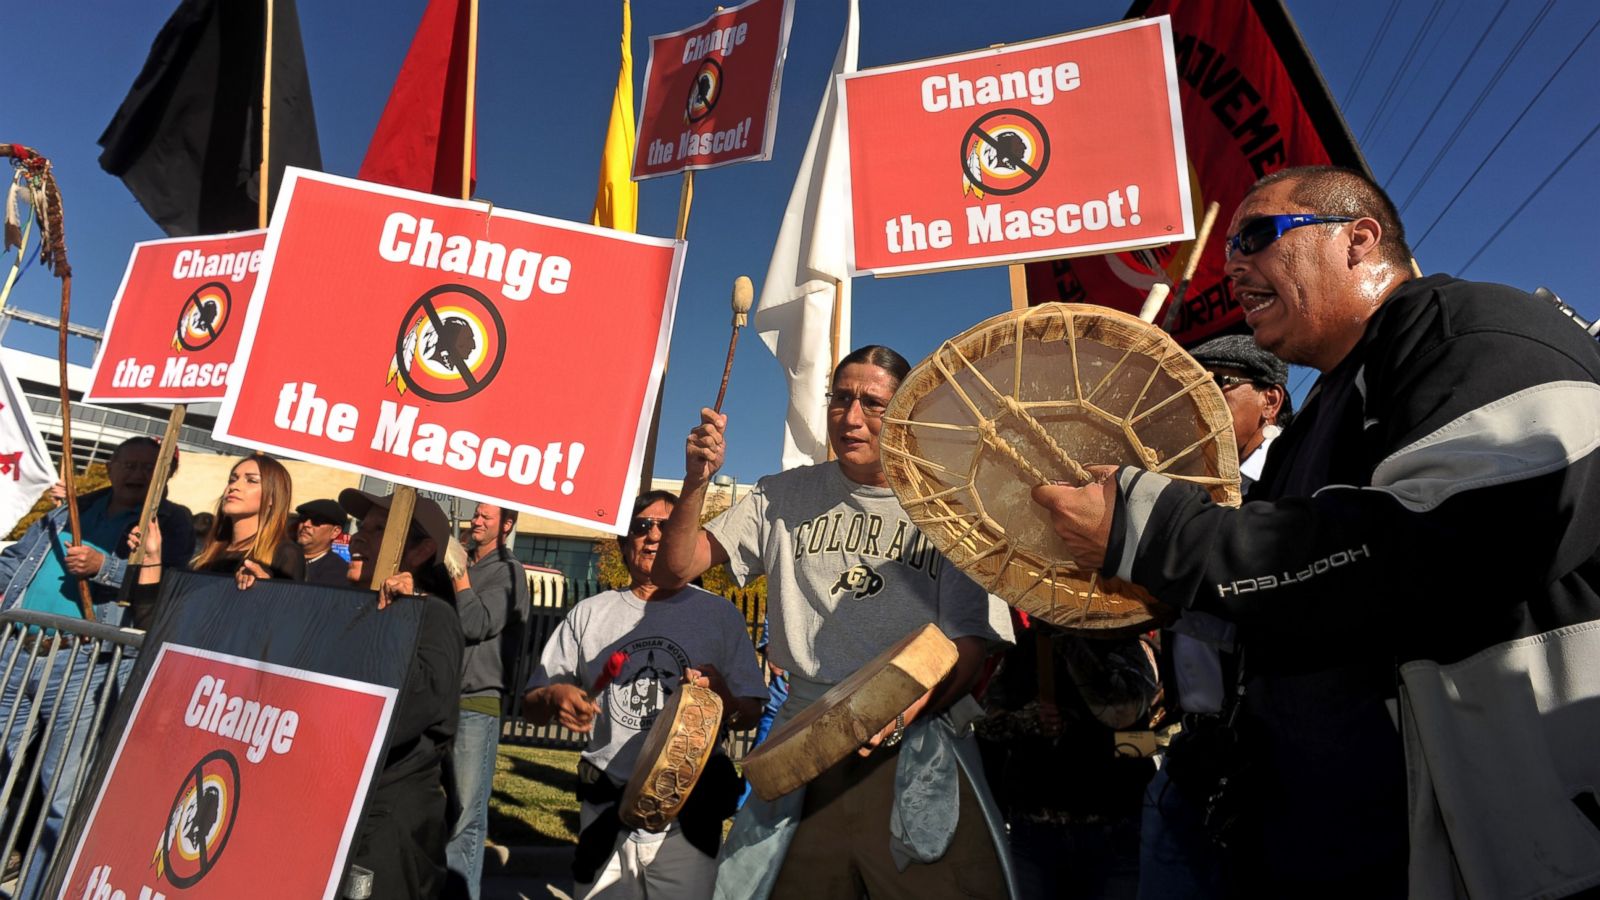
(236, 375)
(1175, 113)
(769, 130)
(116, 303)
(369, 768)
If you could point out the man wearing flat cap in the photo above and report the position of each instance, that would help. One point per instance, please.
(1197, 661)
(1256, 385)
(402, 837)
(321, 523)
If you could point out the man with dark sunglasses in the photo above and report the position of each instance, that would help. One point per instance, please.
(607, 671)
(1434, 500)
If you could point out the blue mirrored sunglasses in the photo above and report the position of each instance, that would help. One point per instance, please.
(1258, 234)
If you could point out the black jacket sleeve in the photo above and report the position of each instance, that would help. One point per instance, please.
(1480, 439)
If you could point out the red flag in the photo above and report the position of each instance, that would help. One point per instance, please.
(1253, 102)
(418, 141)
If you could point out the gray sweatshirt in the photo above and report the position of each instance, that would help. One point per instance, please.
(493, 609)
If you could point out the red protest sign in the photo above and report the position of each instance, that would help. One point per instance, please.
(455, 347)
(175, 322)
(711, 91)
(224, 757)
(1061, 146)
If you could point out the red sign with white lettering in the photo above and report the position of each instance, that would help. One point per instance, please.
(1062, 146)
(711, 91)
(175, 322)
(456, 347)
(223, 759)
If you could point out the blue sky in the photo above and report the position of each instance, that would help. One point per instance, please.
(546, 73)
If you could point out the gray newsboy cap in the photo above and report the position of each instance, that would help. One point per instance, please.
(1240, 351)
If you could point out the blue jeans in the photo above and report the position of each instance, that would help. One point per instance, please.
(777, 695)
(469, 778)
(1176, 855)
(53, 691)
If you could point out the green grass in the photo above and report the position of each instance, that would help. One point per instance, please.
(533, 801)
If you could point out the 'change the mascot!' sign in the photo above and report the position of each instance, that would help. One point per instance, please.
(455, 347)
(174, 326)
(232, 775)
(711, 91)
(1063, 146)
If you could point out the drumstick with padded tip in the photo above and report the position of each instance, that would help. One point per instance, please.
(1189, 265)
(743, 294)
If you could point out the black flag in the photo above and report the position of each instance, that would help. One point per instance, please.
(187, 139)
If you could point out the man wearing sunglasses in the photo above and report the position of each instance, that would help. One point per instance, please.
(1434, 498)
(662, 637)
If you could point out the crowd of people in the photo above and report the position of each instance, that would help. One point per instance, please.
(1262, 743)
(426, 820)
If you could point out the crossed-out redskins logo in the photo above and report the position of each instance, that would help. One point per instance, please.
(203, 317)
(704, 92)
(201, 820)
(450, 345)
(1003, 152)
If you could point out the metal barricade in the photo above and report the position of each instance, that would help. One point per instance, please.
(49, 664)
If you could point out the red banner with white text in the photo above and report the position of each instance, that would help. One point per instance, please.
(1253, 102)
(223, 759)
(1061, 146)
(455, 346)
(174, 325)
(711, 91)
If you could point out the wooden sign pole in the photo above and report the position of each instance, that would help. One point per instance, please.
(403, 502)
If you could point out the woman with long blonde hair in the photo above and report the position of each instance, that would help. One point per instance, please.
(251, 538)
(252, 525)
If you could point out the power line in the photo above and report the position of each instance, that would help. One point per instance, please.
(1477, 104)
(1410, 57)
(1451, 86)
(1524, 205)
(1388, 117)
(1513, 127)
(1372, 51)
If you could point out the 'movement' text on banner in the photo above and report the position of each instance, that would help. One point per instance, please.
(1062, 146)
(1253, 103)
(451, 346)
(175, 322)
(711, 91)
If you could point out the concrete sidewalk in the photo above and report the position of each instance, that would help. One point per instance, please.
(527, 873)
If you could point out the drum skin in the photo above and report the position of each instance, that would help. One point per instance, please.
(1038, 395)
(850, 713)
(672, 758)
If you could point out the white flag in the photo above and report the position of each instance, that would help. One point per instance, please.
(25, 469)
(810, 263)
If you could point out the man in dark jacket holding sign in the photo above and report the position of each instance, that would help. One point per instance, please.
(1454, 422)
(402, 836)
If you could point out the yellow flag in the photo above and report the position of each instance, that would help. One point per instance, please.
(616, 203)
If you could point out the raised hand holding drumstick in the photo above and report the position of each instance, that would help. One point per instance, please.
(743, 293)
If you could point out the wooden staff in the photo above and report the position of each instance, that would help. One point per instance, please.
(648, 467)
(1189, 265)
(403, 501)
(743, 294)
(53, 253)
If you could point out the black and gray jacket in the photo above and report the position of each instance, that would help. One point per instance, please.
(1439, 494)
